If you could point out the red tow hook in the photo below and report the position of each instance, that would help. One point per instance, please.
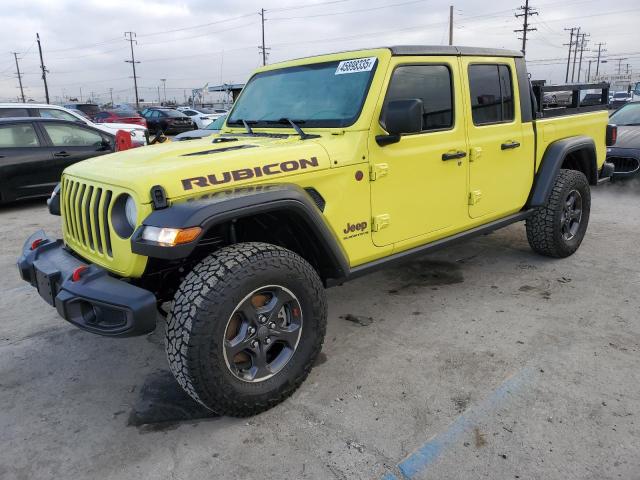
(36, 243)
(77, 273)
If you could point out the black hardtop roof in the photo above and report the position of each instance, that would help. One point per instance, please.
(452, 50)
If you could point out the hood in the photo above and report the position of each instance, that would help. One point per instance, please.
(628, 137)
(199, 166)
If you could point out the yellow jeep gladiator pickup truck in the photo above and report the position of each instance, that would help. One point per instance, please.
(327, 168)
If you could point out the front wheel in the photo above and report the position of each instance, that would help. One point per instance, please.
(558, 228)
(246, 326)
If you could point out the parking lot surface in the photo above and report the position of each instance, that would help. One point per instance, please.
(481, 361)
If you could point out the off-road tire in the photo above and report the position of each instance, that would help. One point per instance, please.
(544, 227)
(203, 304)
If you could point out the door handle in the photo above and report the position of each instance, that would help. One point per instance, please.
(62, 154)
(509, 145)
(453, 155)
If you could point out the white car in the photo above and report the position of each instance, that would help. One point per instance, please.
(201, 117)
(139, 134)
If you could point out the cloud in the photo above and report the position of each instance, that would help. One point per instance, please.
(84, 45)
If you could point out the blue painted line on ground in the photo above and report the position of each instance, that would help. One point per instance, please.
(424, 456)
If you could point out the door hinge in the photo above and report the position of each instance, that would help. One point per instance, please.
(380, 221)
(476, 154)
(378, 170)
(475, 196)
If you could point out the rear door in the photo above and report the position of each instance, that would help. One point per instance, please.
(500, 162)
(23, 162)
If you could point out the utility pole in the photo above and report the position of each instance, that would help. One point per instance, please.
(80, 94)
(451, 25)
(159, 99)
(15, 55)
(575, 54)
(111, 95)
(589, 71)
(44, 70)
(526, 12)
(164, 88)
(600, 51)
(130, 36)
(263, 48)
(581, 52)
(572, 29)
(619, 60)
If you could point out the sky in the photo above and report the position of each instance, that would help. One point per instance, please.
(193, 42)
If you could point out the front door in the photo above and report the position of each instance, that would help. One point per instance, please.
(418, 184)
(501, 158)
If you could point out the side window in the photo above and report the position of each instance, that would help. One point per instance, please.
(13, 112)
(491, 94)
(190, 113)
(71, 135)
(431, 84)
(59, 114)
(18, 136)
(101, 116)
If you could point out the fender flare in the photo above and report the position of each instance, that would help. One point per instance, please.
(209, 210)
(552, 160)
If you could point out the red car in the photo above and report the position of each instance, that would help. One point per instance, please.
(119, 116)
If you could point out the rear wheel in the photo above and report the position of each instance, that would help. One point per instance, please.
(558, 228)
(246, 327)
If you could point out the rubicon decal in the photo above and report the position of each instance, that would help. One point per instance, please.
(247, 173)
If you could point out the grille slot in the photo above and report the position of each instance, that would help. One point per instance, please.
(624, 164)
(86, 216)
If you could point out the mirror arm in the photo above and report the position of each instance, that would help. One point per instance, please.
(383, 140)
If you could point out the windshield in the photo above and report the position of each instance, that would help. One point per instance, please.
(620, 95)
(627, 115)
(327, 94)
(217, 124)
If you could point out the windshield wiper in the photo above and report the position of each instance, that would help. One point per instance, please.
(245, 123)
(294, 125)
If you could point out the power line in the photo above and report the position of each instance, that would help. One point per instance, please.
(390, 5)
(526, 12)
(131, 36)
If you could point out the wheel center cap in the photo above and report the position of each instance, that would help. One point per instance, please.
(263, 332)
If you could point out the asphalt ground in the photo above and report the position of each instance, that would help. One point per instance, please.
(481, 361)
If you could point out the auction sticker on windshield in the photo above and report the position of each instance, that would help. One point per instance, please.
(356, 65)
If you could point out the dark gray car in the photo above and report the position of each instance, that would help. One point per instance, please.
(625, 154)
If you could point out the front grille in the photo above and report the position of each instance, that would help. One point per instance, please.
(624, 164)
(85, 210)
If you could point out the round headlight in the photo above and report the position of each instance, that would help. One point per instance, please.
(124, 215)
(131, 212)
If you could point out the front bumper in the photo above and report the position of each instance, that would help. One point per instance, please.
(96, 301)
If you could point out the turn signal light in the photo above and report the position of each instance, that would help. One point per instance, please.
(169, 237)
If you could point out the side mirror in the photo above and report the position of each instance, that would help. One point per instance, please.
(104, 145)
(401, 117)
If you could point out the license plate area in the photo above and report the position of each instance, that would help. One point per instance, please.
(47, 285)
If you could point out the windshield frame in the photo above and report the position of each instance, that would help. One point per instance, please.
(305, 123)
